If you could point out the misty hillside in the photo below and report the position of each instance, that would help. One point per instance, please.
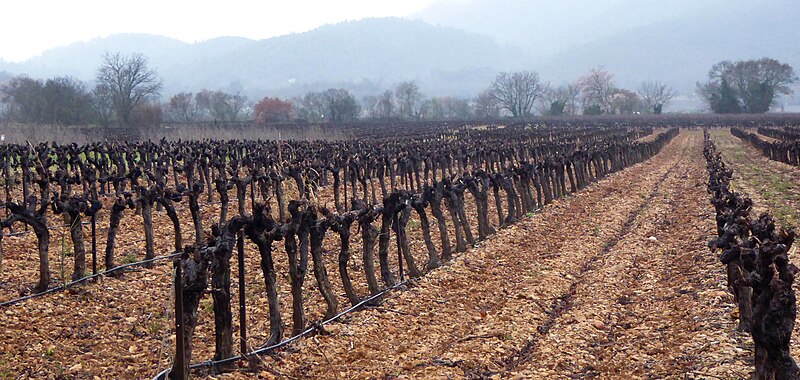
(548, 27)
(382, 51)
(673, 41)
(682, 51)
(81, 59)
(378, 51)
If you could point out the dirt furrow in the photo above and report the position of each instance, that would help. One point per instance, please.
(565, 302)
(656, 306)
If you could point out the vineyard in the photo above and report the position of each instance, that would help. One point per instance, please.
(569, 248)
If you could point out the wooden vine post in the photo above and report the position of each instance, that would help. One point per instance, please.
(180, 368)
(242, 304)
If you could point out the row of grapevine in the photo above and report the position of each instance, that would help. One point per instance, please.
(786, 149)
(760, 275)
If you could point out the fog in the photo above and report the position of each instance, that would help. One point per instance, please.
(449, 47)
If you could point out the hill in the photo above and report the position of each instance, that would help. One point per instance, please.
(457, 46)
(675, 41)
(681, 51)
(370, 53)
(549, 27)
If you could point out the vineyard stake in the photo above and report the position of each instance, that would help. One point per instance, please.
(242, 306)
(94, 243)
(399, 248)
(179, 368)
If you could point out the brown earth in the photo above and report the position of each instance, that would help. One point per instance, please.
(612, 282)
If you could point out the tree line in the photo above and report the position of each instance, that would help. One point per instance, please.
(127, 92)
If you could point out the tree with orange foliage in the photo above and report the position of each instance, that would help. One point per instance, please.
(269, 110)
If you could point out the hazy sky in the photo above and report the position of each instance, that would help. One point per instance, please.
(32, 26)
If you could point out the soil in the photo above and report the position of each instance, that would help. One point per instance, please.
(614, 281)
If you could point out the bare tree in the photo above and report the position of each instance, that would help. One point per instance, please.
(3, 107)
(455, 108)
(571, 94)
(219, 102)
(24, 99)
(220, 105)
(183, 107)
(431, 109)
(311, 107)
(147, 114)
(67, 100)
(386, 105)
(655, 95)
(408, 99)
(561, 100)
(102, 104)
(59, 100)
(238, 106)
(517, 91)
(202, 100)
(341, 105)
(486, 106)
(129, 81)
(369, 103)
(597, 87)
(445, 108)
(624, 101)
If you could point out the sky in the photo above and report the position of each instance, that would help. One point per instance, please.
(30, 27)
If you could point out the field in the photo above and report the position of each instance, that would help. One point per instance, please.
(563, 249)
